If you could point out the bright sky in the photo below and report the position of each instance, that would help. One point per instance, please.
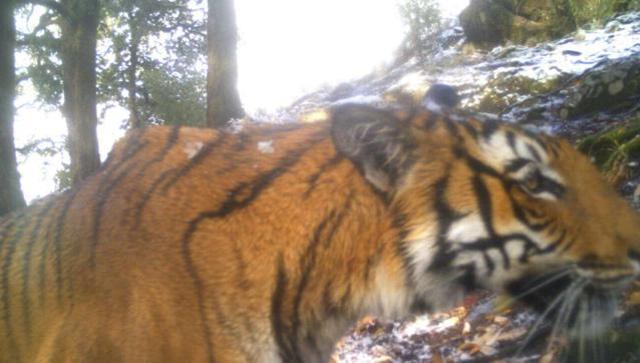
(290, 47)
(286, 48)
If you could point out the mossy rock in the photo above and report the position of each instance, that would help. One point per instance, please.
(523, 21)
(504, 90)
(519, 21)
(616, 152)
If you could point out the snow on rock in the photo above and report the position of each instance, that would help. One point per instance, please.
(361, 99)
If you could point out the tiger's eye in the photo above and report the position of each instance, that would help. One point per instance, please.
(533, 181)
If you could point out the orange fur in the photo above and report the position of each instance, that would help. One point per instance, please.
(200, 246)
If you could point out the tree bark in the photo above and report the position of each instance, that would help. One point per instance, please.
(78, 33)
(134, 114)
(10, 193)
(223, 102)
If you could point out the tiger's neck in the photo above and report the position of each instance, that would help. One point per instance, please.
(360, 269)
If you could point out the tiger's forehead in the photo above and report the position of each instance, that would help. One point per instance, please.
(504, 144)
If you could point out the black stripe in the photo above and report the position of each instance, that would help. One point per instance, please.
(489, 262)
(534, 152)
(199, 290)
(452, 128)
(239, 197)
(241, 142)
(57, 239)
(171, 176)
(485, 205)
(313, 178)
(6, 270)
(44, 253)
(468, 278)
(197, 159)
(104, 193)
(172, 139)
(533, 213)
(489, 127)
(551, 186)
(308, 262)
(234, 162)
(133, 137)
(446, 216)
(554, 148)
(483, 244)
(330, 308)
(555, 244)
(536, 138)
(472, 131)
(286, 352)
(511, 140)
(7, 225)
(231, 204)
(568, 245)
(148, 194)
(430, 123)
(519, 212)
(515, 165)
(243, 282)
(480, 167)
(26, 266)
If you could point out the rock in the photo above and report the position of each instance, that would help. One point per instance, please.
(608, 86)
(620, 79)
(520, 21)
(571, 52)
(529, 21)
(615, 87)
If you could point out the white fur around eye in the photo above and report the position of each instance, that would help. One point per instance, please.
(467, 229)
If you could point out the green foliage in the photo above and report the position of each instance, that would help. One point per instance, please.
(599, 11)
(173, 99)
(169, 38)
(64, 177)
(614, 150)
(159, 44)
(423, 21)
(43, 46)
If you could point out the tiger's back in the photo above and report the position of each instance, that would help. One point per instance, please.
(263, 246)
(116, 263)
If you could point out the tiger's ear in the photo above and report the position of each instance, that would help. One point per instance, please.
(377, 142)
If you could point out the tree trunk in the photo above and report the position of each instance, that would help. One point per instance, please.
(134, 115)
(79, 31)
(223, 102)
(10, 194)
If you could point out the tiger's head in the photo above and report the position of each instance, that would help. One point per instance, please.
(487, 204)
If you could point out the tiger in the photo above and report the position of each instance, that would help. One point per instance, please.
(266, 244)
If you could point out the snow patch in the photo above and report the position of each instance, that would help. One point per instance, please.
(193, 148)
(361, 99)
(266, 147)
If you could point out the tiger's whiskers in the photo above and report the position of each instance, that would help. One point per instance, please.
(540, 321)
